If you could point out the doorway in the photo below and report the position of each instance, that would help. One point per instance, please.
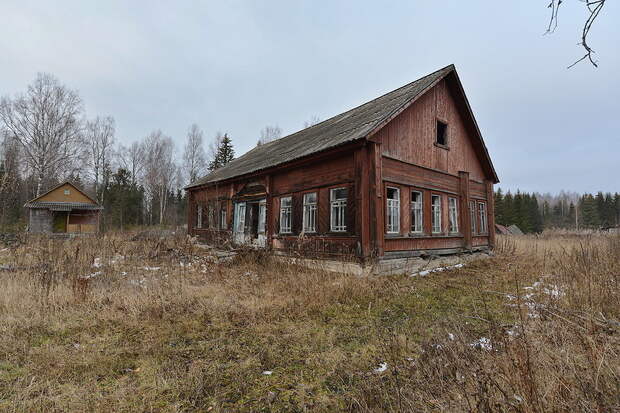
(249, 222)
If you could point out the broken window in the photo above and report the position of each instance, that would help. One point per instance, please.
(393, 210)
(309, 212)
(223, 224)
(436, 213)
(482, 209)
(442, 133)
(199, 216)
(453, 215)
(338, 202)
(416, 212)
(286, 218)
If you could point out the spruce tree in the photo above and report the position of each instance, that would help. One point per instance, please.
(224, 153)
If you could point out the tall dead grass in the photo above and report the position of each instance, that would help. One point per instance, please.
(163, 325)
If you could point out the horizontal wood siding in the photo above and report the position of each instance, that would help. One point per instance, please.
(426, 243)
(411, 135)
(326, 172)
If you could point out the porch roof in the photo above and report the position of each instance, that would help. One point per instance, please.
(63, 206)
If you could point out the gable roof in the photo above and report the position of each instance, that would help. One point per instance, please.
(357, 123)
(35, 202)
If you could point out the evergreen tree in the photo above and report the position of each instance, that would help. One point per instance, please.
(224, 153)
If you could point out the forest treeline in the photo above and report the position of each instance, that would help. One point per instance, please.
(535, 212)
(46, 139)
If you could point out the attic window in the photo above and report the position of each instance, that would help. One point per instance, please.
(442, 133)
(67, 192)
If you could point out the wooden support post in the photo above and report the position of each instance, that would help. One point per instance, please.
(190, 207)
(464, 210)
(377, 227)
(268, 213)
(362, 200)
(491, 212)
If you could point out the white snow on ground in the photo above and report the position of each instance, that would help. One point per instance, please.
(382, 367)
(482, 343)
(123, 273)
(554, 291)
(89, 276)
(451, 336)
(97, 263)
(151, 268)
(440, 269)
(267, 372)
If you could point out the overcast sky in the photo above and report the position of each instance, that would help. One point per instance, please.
(236, 66)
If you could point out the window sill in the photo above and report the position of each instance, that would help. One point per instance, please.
(446, 147)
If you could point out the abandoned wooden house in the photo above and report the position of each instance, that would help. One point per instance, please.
(404, 175)
(64, 209)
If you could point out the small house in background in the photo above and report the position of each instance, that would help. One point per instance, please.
(515, 230)
(64, 209)
(405, 175)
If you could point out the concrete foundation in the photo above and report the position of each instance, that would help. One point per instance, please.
(389, 266)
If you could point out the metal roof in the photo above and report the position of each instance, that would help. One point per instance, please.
(347, 127)
(63, 206)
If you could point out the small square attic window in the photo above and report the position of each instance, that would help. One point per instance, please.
(442, 133)
(67, 192)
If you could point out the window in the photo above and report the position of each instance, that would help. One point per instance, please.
(211, 215)
(453, 215)
(67, 192)
(262, 209)
(199, 216)
(442, 133)
(223, 224)
(286, 205)
(472, 216)
(482, 209)
(393, 210)
(436, 213)
(416, 212)
(310, 212)
(338, 206)
(240, 228)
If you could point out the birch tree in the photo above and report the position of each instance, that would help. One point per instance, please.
(194, 158)
(99, 136)
(269, 133)
(159, 172)
(132, 159)
(46, 122)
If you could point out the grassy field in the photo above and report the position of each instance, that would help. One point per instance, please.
(163, 326)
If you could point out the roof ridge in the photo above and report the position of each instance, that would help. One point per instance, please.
(451, 66)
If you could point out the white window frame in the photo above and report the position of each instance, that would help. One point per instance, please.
(392, 212)
(240, 211)
(309, 213)
(484, 223)
(473, 216)
(453, 215)
(262, 214)
(223, 223)
(198, 216)
(286, 227)
(417, 207)
(338, 210)
(436, 214)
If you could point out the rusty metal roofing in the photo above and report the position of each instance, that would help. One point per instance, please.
(63, 206)
(349, 126)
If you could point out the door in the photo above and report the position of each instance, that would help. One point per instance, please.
(239, 223)
(262, 217)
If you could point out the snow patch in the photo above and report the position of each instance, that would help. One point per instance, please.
(439, 269)
(267, 373)
(482, 343)
(151, 268)
(382, 367)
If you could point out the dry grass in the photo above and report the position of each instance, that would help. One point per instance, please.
(165, 328)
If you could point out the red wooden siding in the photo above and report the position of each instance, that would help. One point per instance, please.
(411, 135)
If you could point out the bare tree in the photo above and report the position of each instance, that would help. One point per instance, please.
(269, 133)
(594, 9)
(194, 158)
(99, 136)
(132, 159)
(160, 171)
(46, 123)
(312, 121)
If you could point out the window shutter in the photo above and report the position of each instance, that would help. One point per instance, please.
(350, 211)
